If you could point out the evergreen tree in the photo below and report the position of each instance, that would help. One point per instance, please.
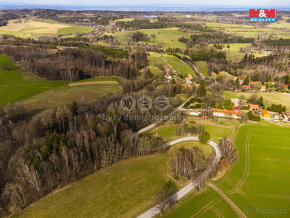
(261, 102)
(246, 81)
(202, 89)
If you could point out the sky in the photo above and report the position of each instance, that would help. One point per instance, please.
(229, 3)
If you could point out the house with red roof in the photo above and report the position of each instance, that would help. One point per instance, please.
(254, 107)
(226, 113)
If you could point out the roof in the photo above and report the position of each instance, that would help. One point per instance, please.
(246, 86)
(265, 112)
(215, 110)
(255, 83)
(254, 106)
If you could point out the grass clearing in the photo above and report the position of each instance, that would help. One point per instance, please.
(269, 98)
(117, 191)
(249, 30)
(17, 85)
(89, 90)
(156, 59)
(73, 30)
(166, 37)
(202, 67)
(125, 20)
(37, 93)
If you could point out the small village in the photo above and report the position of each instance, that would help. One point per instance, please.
(238, 107)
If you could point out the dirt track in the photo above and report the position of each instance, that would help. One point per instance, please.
(94, 83)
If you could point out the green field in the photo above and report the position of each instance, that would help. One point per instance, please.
(37, 93)
(269, 98)
(67, 94)
(257, 183)
(249, 30)
(221, 129)
(166, 38)
(17, 85)
(156, 59)
(202, 67)
(73, 30)
(125, 189)
(125, 20)
(35, 28)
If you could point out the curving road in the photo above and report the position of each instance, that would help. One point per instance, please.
(185, 190)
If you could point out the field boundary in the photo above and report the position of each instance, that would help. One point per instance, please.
(228, 200)
(94, 83)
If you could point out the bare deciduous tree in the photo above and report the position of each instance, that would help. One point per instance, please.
(227, 149)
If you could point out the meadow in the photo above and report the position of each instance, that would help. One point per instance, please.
(250, 30)
(125, 189)
(35, 28)
(156, 59)
(166, 37)
(37, 93)
(217, 130)
(257, 182)
(82, 91)
(125, 20)
(269, 98)
(202, 67)
(17, 85)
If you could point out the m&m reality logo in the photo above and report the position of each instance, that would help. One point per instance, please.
(263, 15)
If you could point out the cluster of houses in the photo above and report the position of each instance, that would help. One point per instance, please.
(254, 86)
(171, 74)
(236, 113)
(267, 86)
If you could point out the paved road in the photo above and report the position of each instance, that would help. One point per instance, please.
(185, 190)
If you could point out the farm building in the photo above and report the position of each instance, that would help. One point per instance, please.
(265, 113)
(246, 87)
(255, 83)
(226, 113)
(254, 107)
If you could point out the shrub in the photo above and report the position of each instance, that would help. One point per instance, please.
(277, 108)
(204, 137)
(253, 117)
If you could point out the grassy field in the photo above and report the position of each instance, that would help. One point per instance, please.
(269, 98)
(257, 183)
(67, 94)
(34, 28)
(73, 30)
(221, 129)
(167, 37)
(249, 30)
(202, 67)
(233, 53)
(124, 190)
(17, 85)
(37, 93)
(125, 20)
(156, 59)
